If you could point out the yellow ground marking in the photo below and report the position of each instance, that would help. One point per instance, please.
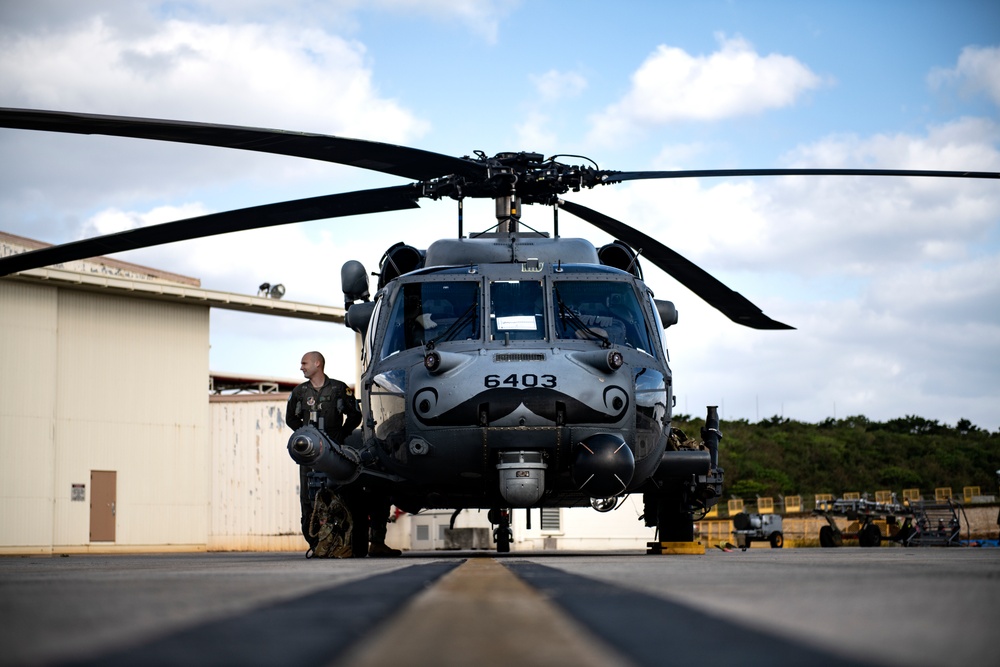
(481, 614)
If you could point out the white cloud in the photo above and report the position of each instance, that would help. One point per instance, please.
(113, 220)
(240, 74)
(535, 133)
(555, 85)
(672, 85)
(952, 293)
(481, 16)
(246, 74)
(537, 130)
(843, 226)
(977, 71)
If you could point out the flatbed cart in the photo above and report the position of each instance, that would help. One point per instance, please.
(863, 515)
(923, 524)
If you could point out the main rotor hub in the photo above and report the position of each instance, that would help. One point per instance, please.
(529, 176)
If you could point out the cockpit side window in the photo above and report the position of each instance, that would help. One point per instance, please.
(369, 341)
(658, 324)
(435, 312)
(598, 310)
(517, 310)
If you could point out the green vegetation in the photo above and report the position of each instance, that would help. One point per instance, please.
(779, 456)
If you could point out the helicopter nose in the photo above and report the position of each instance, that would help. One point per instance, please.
(603, 465)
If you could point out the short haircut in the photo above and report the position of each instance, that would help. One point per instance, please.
(320, 357)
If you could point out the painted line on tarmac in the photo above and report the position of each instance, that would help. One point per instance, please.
(481, 614)
(313, 629)
(654, 631)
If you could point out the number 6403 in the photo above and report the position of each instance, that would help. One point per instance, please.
(527, 380)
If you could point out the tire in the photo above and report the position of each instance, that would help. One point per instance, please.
(777, 540)
(503, 540)
(870, 536)
(826, 538)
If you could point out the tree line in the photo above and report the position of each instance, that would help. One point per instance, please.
(780, 456)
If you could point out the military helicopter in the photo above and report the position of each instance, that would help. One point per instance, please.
(503, 369)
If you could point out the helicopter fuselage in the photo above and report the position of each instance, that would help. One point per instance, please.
(524, 383)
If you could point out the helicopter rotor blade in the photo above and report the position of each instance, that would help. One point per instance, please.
(268, 215)
(615, 176)
(411, 163)
(731, 304)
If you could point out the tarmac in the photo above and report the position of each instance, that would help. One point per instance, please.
(845, 606)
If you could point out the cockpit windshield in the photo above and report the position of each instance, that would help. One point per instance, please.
(599, 310)
(517, 310)
(432, 312)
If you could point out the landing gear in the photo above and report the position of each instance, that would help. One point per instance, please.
(687, 481)
(673, 518)
(502, 534)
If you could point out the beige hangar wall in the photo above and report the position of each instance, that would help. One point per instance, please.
(99, 382)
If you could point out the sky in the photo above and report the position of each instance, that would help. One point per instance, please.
(893, 284)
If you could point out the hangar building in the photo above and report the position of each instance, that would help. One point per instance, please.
(106, 426)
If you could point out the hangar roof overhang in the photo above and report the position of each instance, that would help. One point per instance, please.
(179, 293)
(112, 276)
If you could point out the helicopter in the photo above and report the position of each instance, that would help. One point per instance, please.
(502, 369)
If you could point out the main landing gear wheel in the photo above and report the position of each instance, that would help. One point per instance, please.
(674, 521)
(502, 534)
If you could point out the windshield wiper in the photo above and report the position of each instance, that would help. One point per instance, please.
(467, 316)
(568, 316)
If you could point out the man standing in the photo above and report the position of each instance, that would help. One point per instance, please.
(319, 399)
(330, 402)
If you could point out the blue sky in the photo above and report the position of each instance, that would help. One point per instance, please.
(893, 284)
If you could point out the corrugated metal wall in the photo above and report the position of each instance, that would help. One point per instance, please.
(99, 382)
(255, 495)
(28, 325)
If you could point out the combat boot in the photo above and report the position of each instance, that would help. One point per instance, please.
(382, 550)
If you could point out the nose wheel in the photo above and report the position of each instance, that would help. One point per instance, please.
(502, 534)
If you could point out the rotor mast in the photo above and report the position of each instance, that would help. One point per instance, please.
(508, 212)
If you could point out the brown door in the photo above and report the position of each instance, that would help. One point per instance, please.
(103, 500)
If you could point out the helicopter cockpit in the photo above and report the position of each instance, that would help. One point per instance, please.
(432, 312)
(603, 310)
